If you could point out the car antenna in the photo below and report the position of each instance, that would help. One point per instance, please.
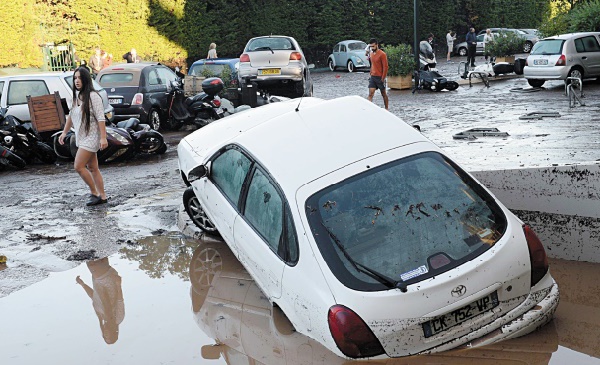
(298, 107)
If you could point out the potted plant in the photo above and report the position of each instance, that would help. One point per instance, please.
(401, 65)
(504, 46)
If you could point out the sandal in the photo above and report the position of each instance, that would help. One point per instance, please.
(95, 200)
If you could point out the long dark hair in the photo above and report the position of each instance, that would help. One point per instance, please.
(84, 94)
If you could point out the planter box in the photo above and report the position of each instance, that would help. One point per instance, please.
(509, 59)
(399, 82)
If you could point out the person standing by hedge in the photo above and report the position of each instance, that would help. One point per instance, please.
(212, 51)
(487, 39)
(379, 69)
(450, 38)
(471, 47)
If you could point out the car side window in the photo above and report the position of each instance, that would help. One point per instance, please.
(153, 78)
(264, 210)
(166, 75)
(1, 88)
(342, 48)
(480, 37)
(19, 90)
(336, 48)
(228, 171)
(587, 44)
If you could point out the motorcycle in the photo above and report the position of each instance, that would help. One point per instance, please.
(428, 77)
(9, 159)
(200, 109)
(125, 140)
(22, 140)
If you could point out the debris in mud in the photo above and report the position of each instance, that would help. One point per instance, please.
(38, 236)
(158, 232)
(539, 115)
(473, 133)
(36, 248)
(83, 255)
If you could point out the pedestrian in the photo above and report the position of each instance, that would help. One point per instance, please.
(107, 58)
(471, 47)
(450, 38)
(212, 51)
(107, 297)
(132, 56)
(379, 69)
(430, 39)
(96, 62)
(87, 119)
(488, 38)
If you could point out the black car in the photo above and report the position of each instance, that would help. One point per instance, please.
(138, 90)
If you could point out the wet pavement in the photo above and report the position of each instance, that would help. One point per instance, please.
(47, 233)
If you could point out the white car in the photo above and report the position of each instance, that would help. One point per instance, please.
(368, 237)
(15, 89)
(567, 55)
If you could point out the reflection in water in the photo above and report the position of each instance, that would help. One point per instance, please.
(229, 307)
(107, 297)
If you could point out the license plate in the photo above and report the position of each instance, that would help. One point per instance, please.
(115, 101)
(449, 320)
(540, 62)
(270, 71)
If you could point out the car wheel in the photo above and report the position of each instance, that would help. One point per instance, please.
(536, 82)
(576, 72)
(350, 66)
(462, 51)
(196, 212)
(154, 119)
(299, 88)
(527, 47)
(331, 65)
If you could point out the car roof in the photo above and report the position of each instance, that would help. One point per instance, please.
(345, 130)
(38, 75)
(352, 41)
(218, 61)
(573, 35)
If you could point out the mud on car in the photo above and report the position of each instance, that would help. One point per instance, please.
(404, 252)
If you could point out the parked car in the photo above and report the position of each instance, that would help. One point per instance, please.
(215, 67)
(530, 39)
(349, 54)
(460, 49)
(534, 32)
(278, 66)
(404, 251)
(15, 89)
(139, 90)
(567, 55)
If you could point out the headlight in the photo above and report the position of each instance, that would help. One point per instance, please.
(359, 61)
(117, 136)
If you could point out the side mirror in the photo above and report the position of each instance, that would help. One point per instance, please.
(197, 172)
(312, 65)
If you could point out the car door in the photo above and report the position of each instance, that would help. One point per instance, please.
(343, 55)
(264, 232)
(480, 47)
(155, 91)
(588, 53)
(166, 76)
(220, 193)
(336, 54)
(18, 90)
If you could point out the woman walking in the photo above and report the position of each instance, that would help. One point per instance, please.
(87, 119)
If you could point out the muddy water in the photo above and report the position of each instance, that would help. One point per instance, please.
(167, 299)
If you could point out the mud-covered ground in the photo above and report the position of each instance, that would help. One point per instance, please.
(45, 226)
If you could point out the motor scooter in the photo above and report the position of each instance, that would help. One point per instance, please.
(22, 140)
(428, 76)
(200, 109)
(9, 159)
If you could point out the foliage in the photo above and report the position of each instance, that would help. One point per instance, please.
(505, 44)
(554, 26)
(585, 17)
(401, 60)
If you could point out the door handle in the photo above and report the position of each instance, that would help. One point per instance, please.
(584, 58)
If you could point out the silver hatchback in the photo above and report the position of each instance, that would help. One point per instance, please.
(566, 55)
(277, 64)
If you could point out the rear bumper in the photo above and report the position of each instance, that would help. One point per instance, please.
(546, 73)
(287, 73)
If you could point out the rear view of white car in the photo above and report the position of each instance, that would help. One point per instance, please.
(567, 55)
(368, 237)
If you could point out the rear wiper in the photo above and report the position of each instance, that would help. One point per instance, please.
(265, 48)
(390, 283)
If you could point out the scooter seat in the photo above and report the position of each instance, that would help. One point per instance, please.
(192, 99)
(131, 123)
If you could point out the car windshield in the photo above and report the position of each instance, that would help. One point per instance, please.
(548, 47)
(207, 70)
(408, 220)
(357, 46)
(267, 44)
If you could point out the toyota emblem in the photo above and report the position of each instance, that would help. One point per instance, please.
(459, 291)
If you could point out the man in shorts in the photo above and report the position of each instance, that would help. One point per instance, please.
(379, 69)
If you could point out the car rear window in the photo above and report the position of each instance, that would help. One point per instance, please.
(117, 78)
(548, 47)
(408, 220)
(203, 70)
(357, 46)
(264, 44)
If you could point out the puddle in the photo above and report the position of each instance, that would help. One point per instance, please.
(166, 299)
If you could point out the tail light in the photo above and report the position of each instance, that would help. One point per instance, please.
(351, 334)
(138, 99)
(562, 61)
(295, 56)
(537, 255)
(244, 58)
(216, 103)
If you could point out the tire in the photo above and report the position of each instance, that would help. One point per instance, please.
(535, 82)
(462, 51)
(162, 149)
(196, 212)
(11, 158)
(576, 72)
(154, 119)
(173, 124)
(452, 85)
(331, 65)
(350, 66)
(299, 89)
(151, 142)
(45, 153)
(527, 47)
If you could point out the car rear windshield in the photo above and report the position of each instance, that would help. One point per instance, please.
(266, 44)
(357, 46)
(408, 220)
(548, 47)
(117, 78)
(207, 70)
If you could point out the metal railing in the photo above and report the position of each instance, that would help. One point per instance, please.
(59, 57)
(570, 84)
